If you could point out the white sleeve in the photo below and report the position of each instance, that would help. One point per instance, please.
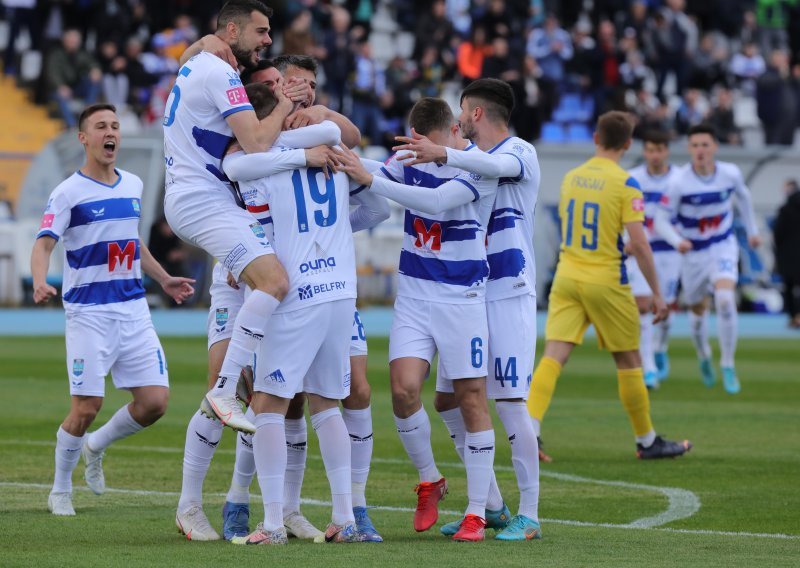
(666, 211)
(432, 200)
(56, 217)
(392, 169)
(326, 133)
(371, 165)
(239, 166)
(225, 91)
(744, 204)
(489, 165)
(372, 209)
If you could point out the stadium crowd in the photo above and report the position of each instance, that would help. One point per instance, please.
(674, 63)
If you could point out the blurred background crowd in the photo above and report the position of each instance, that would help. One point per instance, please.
(674, 63)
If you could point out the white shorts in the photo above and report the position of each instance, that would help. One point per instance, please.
(358, 341)
(512, 346)
(225, 305)
(458, 332)
(307, 351)
(217, 225)
(129, 349)
(701, 269)
(668, 270)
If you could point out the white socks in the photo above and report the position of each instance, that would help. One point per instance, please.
(661, 334)
(647, 440)
(269, 445)
(646, 343)
(296, 450)
(202, 436)
(248, 330)
(359, 427)
(68, 453)
(415, 434)
(727, 325)
(699, 329)
(120, 426)
(334, 445)
(524, 454)
(479, 463)
(458, 431)
(244, 469)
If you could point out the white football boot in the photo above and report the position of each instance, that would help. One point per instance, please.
(60, 504)
(227, 409)
(194, 524)
(93, 474)
(299, 527)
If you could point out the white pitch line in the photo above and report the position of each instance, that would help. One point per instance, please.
(320, 503)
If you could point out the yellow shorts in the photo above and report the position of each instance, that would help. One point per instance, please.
(611, 309)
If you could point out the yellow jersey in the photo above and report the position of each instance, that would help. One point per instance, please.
(597, 199)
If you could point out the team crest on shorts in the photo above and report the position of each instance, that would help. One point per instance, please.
(136, 207)
(77, 367)
(258, 230)
(222, 317)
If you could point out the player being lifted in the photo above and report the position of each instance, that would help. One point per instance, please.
(598, 201)
(95, 213)
(700, 200)
(441, 285)
(206, 108)
(510, 291)
(654, 176)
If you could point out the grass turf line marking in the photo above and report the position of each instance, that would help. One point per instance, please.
(320, 503)
(682, 503)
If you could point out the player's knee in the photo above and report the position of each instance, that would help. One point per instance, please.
(404, 400)
(444, 401)
(360, 394)
(85, 412)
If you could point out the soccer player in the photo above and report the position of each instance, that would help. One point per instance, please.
(654, 176)
(95, 212)
(701, 200)
(307, 343)
(441, 285)
(206, 108)
(598, 201)
(510, 291)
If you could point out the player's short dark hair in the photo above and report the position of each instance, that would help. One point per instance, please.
(429, 114)
(614, 129)
(262, 98)
(703, 128)
(247, 74)
(239, 12)
(90, 110)
(497, 98)
(658, 137)
(283, 62)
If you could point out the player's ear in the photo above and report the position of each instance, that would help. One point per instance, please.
(82, 137)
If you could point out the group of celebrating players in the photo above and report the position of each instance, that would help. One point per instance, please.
(263, 179)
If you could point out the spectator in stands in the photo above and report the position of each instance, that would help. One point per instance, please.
(498, 22)
(436, 30)
(73, 76)
(431, 73)
(708, 64)
(140, 81)
(115, 79)
(670, 38)
(470, 55)
(636, 18)
(551, 47)
(777, 101)
(337, 57)
(609, 56)
(634, 72)
(297, 38)
(772, 19)
(749, 30)
(158, 62)
(786, 235)
(691, 112)
(369, 88)
(747, 66)
(722, 118)
(19, 14)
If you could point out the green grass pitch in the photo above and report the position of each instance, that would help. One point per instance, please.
(744, 471)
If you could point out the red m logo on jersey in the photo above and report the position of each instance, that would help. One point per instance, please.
(121, 256)
(430, 238)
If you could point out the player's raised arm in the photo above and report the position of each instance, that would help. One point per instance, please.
(744, 205)
(214, 45)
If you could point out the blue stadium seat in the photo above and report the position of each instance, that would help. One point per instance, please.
(579, 133)
(553, 132)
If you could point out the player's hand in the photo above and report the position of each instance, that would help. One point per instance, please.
(232, 282)
(419, 150)
(305, 116)
(221, 49)
(178, 288)
(660, 309)
(323, 157)
(754, 241)
(350, 164)
(285, 104)
(43, 292)
(685, 246)
(298, 90)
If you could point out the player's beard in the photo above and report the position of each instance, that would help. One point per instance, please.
(468, 129)
(243, 56)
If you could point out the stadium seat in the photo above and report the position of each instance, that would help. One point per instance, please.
(579, 133)
(553, 132)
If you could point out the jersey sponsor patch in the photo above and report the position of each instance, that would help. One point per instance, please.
(237, 96)
(119, 257)
(47, 220)
(637, 204)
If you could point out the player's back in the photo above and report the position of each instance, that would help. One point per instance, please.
(311, 234)
(597, 199)
(196, 134)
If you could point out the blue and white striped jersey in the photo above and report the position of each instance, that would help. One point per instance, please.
(443, 258)
(702, 208)
(653, 189)
(98, 225)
